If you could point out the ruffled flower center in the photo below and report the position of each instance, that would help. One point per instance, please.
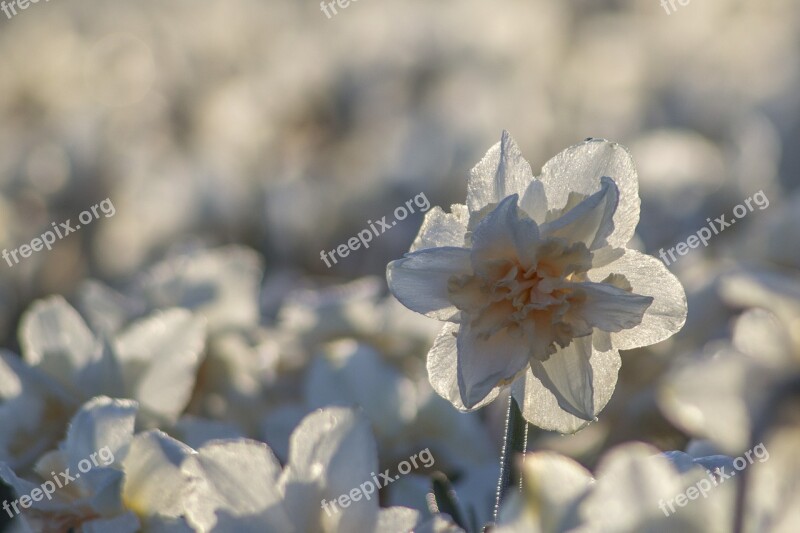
(531, 299)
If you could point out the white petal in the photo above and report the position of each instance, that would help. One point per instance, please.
(160, 356)
(55, 338)
(102, 429)
(484, 364)
(331, 453)
(238, 478)
(579, 169)
(717, 398)
(610, 308)
(555, 500)
(648, 277)
(636, 487)
(760, 334)
(101, 376)
(776, 292)
(502, 172)
(442, 366)
(540, 406)
(419, 280)
(589, 222)
(106, 310)
(353, 374)
(440, 229)
(631, 479)
(534, 202)
(221, 284)
(504, 234)
(568, 375)
(155, 486)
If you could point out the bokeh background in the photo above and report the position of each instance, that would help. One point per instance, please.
(267, 124)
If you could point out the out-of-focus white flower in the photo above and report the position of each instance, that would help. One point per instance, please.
(331, 453)
(136, 485)
(536, 285)
(721, 396)
(153, 482)
(153, 361)
(406, 416)
(631, 482)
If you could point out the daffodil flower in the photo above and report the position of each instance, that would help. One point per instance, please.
(535, 284)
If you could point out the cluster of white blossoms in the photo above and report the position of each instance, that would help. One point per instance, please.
(536, 285)
(231, 404)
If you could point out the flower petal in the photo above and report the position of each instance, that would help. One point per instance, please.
(102, 425)
(442, 366)
(718, 398)
(440, 229)
(502, 172)
(155, 487)
(541, 405)
(568, 375)
(238, 478)
(591, 221)
(578, 169)
(350, 373)
(331, 452)
(483, 363)
(648, 277)
(419, 280)
(502, 235)
(160, 355)
(610, 308)
(534, 202)
(55, 338)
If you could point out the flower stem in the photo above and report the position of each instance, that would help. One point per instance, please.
(515, 442)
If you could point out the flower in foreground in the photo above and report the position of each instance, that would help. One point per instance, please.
(154, 482)
(535, 284)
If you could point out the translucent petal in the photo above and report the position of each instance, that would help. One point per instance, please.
(648, 277)
(440, 229)
(568, 375)
(591, 221)
(160, 356)
(442, 366)
(419, 280)
(502, 172)
(578, 169)
(483, 363)
(540, 406)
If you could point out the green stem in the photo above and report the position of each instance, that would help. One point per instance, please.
(514, 443)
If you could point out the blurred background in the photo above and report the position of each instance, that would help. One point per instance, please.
(271, 125)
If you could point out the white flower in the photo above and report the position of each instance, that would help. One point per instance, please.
(241, 487)
(136, 484)
(723, 395)
(153, 482)
(536, 286)
(634, 490)
(154, 361)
